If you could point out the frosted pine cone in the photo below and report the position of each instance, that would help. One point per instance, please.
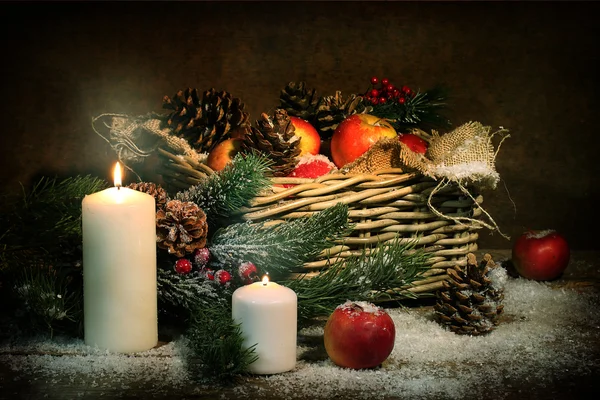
(181, 228)
(471, 301)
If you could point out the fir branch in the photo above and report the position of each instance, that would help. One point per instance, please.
(376, 275)
(48, 300)
(46, 221)
(216, 342)
(187, 291)
(281, 248)
(223, 194)
(420, 111)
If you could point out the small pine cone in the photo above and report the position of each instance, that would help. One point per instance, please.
(181, 228)
(471, 301)
(334, 109)
(156, 191)
(299, 101)
(275, 138)
(205, 122)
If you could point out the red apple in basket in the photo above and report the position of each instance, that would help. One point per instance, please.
(541, 255)
(223, 153)
(414, 142)
(355, 135)
(359, 335)
(310, 140)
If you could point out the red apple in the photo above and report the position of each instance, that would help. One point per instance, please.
(359, 335)
(414, 143)
(540, 255)
(355, 135)
(310, 140)
(223, 153)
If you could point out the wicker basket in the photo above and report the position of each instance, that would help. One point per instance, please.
(383, 206)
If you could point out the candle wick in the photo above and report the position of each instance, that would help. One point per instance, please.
(118, 187)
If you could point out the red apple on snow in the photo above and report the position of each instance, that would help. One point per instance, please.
(359, 335)
(540, 255)
(310, 140)
(223, 153)
(415, 143)
(355, 135)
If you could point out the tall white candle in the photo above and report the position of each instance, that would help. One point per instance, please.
(119, 269)
(268, 315)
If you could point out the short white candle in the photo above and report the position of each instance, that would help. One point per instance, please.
(268, 315)
(119, 269)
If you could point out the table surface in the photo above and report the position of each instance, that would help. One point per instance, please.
(583, 274)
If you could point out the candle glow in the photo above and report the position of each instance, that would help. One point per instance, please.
(117, 175)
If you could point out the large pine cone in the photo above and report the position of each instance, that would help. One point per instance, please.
(471, 301)
(334, 109)
(299, 101)
(181, 228)
(275, 138)
(205, 122)
(154, 190)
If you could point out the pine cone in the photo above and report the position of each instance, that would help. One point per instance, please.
(181, 228)
(205, 122)
(156, 191)
(298, 101)
(275, 137)
(471, 302)
(334, 109)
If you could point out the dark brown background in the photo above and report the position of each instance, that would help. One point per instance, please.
(528, 66)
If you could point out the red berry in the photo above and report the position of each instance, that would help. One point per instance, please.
(406, 89)
(389, 88)
(183, 266)
(247, 272)
(374, 80)
(374, 93)
(209, 274)
(401, 100)
(381, 100)
(222, 276)
(201, 256)
(375, 101)
(385, 82)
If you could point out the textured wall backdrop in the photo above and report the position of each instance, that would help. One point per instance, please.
(528, 66)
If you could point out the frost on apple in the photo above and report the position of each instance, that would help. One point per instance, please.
(539, 234)
(356, 307)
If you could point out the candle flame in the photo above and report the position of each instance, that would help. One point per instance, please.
(265, 280)
(117, 175)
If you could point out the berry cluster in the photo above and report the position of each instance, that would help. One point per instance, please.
(247, 271)
(201, 257)
(386, 92)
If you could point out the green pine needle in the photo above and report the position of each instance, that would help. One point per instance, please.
(421, 111)
(281, 248)
(188, 291)
(46, 221)
(370, 277)
(222, 194)
(217, 344)
(48, 301)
